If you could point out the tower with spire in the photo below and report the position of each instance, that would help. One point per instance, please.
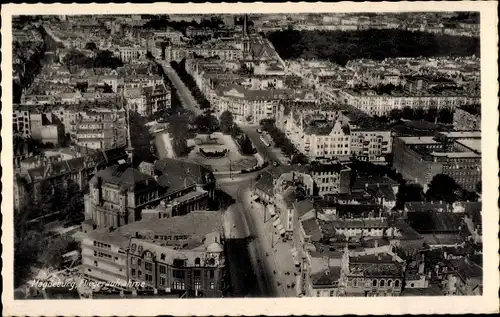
(129, 149)
(246, 40)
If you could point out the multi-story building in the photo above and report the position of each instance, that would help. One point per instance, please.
(331, 178)
(463, 277)
(179, 255)
(119, 194)
(456, 154)
(372, 275)
(100, 129)
(467, 118)
(157, 98)
(374, 104)
(330, 134)
(129, 54)
(21, 122)
(78, 170)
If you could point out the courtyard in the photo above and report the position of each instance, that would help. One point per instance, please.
(233, 160)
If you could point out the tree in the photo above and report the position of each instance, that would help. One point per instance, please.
(52, 255)
(443, 188)
(91, 46)
(226, 122)
(446, 115)
(479, 187)
(140, 137)
(407, 113)
(408, 193)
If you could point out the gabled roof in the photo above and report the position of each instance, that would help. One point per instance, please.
(125, 177)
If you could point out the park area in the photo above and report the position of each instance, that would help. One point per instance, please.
(219, 151)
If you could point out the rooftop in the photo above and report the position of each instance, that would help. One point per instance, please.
(462, 134)
(124, 176)
(328, 276)
(472, 144)
(419, 140)
(434, 221)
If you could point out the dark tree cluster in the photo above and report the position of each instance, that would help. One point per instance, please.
(103, 59)
(342, 46)
(187, 79)
(433, 114)
(281, 141)
(140, 137)
(160, 22)
(228, 126)
(444, 188)
(179, 131)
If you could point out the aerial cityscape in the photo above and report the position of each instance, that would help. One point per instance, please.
(258, 155)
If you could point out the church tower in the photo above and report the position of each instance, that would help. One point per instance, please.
(129, 150)
(246, 40)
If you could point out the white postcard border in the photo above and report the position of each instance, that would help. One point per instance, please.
(273, 306)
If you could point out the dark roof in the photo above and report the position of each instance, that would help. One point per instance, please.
(304, 206)
(125, 177)
(265, 183)
(420, 206)
(317, 167)
(383, 191)
(113, 155)
(432, 290)
(466, 269)
(370, 181)
(176, 175)
(432, 221)
(311, 227)
(376, 265)
(326, 277)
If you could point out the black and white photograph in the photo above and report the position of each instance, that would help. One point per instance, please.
(175, 156)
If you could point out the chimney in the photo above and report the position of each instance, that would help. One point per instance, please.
(421, 268)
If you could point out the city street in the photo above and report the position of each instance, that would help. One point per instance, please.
(278, 253)
(270, 257)
(184, 94)
(266, 151)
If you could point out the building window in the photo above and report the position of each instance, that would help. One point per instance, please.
(132, 261)
(389, 282)
(178, 285)
(148, 266)
(139, 273)
(212, 273)
(178, 274)
(332, 293)
(133, 272)
(374, 282)
(163, 281)
(149, 277)
(163, 269)
(212, 285)
(197, 285)
(139, 262)
(318, 293)
(396, 283)
(197, 261)
(162, 256)
(382, 283)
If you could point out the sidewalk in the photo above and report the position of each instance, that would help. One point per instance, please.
(283, 257)
(280, 256)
